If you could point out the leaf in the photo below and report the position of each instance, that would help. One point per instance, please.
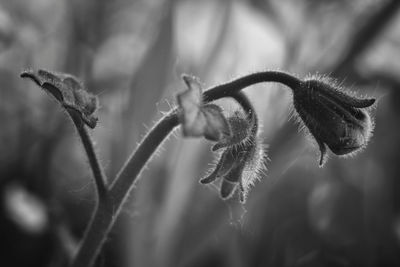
(67, 90)
(198, 119)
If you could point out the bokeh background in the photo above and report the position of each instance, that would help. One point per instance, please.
(131, 54)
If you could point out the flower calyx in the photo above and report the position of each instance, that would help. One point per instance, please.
(241, 160)
(333, 117)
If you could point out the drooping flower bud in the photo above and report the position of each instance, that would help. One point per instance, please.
(242, 128)
(241, 162)
(333, 117)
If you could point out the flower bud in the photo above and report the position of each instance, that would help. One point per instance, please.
(333, 117)
(242, 129)
(242, 160)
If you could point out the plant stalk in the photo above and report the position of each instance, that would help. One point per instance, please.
(106, 213)
(98, 172)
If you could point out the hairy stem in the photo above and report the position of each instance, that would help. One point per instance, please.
(95, 236)
(98, 172)
(106, 214)
(234, 86)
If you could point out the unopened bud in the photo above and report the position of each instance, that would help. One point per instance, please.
(333, 117)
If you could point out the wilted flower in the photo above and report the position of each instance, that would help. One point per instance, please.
(197, 118)
(242, 160)
(68, 91)
(333, 117)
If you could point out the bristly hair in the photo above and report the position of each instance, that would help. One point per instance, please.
(334, 116)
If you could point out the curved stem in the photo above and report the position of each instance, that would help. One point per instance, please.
(98, 172)
(134, 165)
(106, 214)
(234, 86)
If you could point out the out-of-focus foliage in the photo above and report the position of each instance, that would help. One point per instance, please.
(131, 54)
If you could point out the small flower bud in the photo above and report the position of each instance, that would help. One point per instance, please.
(242, 160)
(240, 126)
(333, 117)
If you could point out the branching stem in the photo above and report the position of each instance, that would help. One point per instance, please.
(107, 212)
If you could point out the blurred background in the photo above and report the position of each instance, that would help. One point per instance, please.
(131, 54)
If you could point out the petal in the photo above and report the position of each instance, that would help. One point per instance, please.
(226, 162)
(216, 124)
(198, 120)
(54, 91)
(190, 102)
(227, 189)
(312, 126)
(340, 95)
(350, 114)
(351, 100)
(323, 153)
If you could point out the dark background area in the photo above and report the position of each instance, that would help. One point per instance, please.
(131, 54)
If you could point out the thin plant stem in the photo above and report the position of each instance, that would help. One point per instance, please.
(106, 213)
(98, 172)
(234, 86)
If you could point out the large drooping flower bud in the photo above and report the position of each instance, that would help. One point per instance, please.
(333, 117)
(242, 160)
